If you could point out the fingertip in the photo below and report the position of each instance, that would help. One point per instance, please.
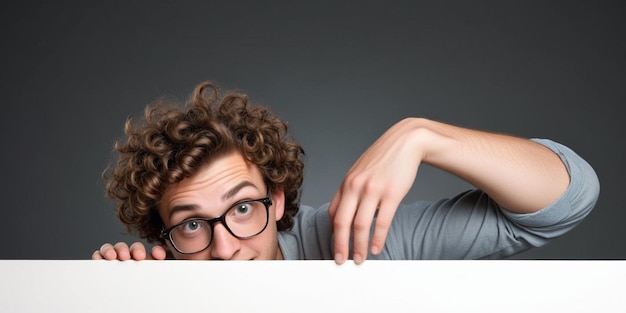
(96, 255)
(158, 253)
(123, 255)
(381, 230)
(378, 242)
(358, 259)
(137, 251)
(122, 250)
(139, 254)
(375, 249)
(109, 254)
(341, 252)
(339, 259)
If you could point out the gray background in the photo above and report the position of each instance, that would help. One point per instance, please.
(340, 73)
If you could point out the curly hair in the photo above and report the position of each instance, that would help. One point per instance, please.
(174, 141)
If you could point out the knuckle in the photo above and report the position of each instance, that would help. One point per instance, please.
(340, 224)
(355, 181)
(382, 225)
(361, 225)
(373, 186)
(339, 247)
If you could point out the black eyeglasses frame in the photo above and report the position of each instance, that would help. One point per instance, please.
(267, 202)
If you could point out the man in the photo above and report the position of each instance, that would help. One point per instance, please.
(221, 179)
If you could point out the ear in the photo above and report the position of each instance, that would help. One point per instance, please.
(278, 200)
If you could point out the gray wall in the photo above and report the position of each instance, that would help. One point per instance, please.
(339, 73)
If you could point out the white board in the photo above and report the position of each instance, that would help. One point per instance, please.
(312, 286)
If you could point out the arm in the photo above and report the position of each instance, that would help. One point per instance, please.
(520, 175)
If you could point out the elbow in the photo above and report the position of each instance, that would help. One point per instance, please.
(589, 194)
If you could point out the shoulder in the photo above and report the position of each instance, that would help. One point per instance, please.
(310, 238)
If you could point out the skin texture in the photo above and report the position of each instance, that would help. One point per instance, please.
(520, 175)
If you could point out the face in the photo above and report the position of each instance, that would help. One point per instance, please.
(209, 194)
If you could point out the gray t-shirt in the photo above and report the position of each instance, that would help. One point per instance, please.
(468, 226)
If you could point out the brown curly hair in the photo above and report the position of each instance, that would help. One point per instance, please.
(174, 141)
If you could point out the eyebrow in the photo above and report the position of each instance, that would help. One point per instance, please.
(179, 208)
(226, 196)
(233, 191)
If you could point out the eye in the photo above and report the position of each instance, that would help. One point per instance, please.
(243, 209)
(191, 226)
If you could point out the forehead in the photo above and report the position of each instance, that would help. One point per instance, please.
(212, 181)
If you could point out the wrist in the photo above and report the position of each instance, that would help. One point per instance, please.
(434, 141)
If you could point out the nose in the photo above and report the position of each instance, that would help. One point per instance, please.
(224, 245)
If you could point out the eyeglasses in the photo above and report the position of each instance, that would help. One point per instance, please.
(244, 219)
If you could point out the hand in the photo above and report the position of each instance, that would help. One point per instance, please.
(378, 181)
(121, 251)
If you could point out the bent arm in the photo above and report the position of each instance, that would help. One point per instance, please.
(519, 174)
(472, 226)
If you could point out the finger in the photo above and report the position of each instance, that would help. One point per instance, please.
(332, 208)
(384, 218)
(96, 255)
(342, 226)
(122, 250)
(138, 251)
(362, 226)
(108, 252)
(158, 253)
